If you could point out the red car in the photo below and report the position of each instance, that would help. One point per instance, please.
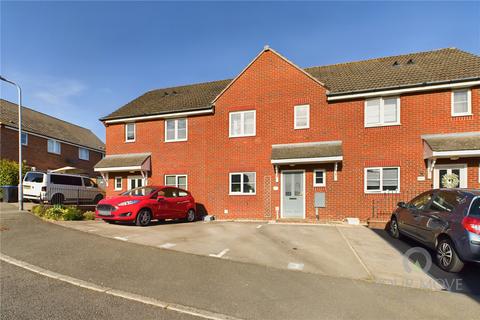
(144, 204)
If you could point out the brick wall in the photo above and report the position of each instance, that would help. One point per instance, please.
(35, 153)
(273, 87)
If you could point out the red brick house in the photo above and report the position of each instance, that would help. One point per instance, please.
(48, 142)
(280, 142)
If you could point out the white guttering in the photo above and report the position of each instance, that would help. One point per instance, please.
(162, 116)
(112, 169)
(453, 154)
(307, 160)
(405, 90)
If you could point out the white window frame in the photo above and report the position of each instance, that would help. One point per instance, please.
(176, 180)
(324, 173)
(469, 103)
(382, 122)
(115, 183)
(242, 124)
(381, 180)
(295, 126)
(26, 138)
(241, 193)
(176, 139)
(80, 154)
(55, 142)
(134, 132)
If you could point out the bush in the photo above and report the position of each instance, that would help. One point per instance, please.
(9, 172)
(89, 215)
(54, 213)
(72, 213)
(39, 210)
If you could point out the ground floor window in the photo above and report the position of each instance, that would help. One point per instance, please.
(382, 180)
(118, 183)
(319, 178)
(176, 180)
(243, 183)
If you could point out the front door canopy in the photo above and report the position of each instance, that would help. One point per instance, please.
(452, 145)
(124, 162)
(307, 152)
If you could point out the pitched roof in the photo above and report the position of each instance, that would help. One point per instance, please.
(45, 125)
(415, 69)
(453, 141)
(123, 160)
(307, 150)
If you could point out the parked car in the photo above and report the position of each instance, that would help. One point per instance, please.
(59, 188)
(144, 204)
(446, 220)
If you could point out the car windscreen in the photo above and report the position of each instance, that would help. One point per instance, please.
(34, 177)
(140, 192)
(475, 208)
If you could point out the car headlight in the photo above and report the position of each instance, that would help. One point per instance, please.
(128, 203)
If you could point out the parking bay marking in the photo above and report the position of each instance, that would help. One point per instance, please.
(295, 266)
(219, 255)
(167, 245)
(121, 238)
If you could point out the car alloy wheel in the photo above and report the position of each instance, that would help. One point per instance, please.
(445, 254)
(143, 218)
(394, 231)
(190, 215)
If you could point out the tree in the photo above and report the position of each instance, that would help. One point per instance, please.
(9, 172)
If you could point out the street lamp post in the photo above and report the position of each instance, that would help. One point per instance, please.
(20, 181)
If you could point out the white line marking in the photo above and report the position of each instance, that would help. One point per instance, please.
(370, 275)
(117, 293)
(121, 238)
(259, 226)
(92, 230)
(295, 266)
(167, 245)
(221, 254)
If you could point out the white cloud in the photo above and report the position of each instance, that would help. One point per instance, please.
(57, 92)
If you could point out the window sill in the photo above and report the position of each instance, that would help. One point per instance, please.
(58, 154)
(319, 185)
(382, 192)
(129, 141)
(242, 194)
(301, 128)
(245, 136)
(183, 140)
(462, 115)
(382, 125)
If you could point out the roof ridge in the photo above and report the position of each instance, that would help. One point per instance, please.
(45, 114)
(385, 57)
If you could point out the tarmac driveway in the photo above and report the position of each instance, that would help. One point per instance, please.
(344, 251)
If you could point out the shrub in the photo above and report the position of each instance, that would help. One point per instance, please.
(39, 210)
(9, 172)
(89, 215)
(54, 213)
(72, 213)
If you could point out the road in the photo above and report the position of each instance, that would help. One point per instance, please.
(242, 290)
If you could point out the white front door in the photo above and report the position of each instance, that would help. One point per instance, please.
(293, 194)
(134, 182)
(450, 176)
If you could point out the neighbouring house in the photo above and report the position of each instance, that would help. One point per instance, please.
(327, 142)
(48, 143)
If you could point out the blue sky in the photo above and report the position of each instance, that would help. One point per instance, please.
(82, 60)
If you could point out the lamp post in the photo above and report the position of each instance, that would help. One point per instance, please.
(20, 181)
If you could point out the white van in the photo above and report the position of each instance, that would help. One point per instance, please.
(59, 188)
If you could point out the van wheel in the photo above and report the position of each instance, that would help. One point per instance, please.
(191, 215)
(143, 218)
(58, 198)
(97, 199)
(447, 257)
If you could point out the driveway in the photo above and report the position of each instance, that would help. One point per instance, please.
(353, 252)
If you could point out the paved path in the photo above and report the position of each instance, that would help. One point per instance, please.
(237, 289)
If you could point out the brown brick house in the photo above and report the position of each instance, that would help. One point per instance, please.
(279, 141)
(48, 143)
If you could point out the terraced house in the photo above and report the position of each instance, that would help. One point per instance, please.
(282, 142)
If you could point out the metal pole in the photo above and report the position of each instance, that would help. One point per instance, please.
(20, 181)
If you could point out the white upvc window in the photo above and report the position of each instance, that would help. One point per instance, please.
(243, 183)
(53, 146)
(382, 180)
(118, 183)
(319, 178)
(176, 180)
(130, 132)
(24, 139)
(242, 123)
(83, 154)
(383, 111)
(175, 130)
(461, 102)
(301, 117)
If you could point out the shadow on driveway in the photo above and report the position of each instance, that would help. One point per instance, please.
(467, 281)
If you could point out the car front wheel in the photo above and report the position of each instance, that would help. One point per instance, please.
(191, 215)
(447, 257)
(143, 218)
(393, 229)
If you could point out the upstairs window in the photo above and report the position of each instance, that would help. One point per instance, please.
(130, 132)
(382, 180)
(382, 112)
(175, 130)
(83, 154)
(24, 139)
(176, 180)
(302, 117)
(53, 146)
(242, 123)
(461, 102)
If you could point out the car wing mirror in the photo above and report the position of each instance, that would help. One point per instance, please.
(402, 204)
(160, 198)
